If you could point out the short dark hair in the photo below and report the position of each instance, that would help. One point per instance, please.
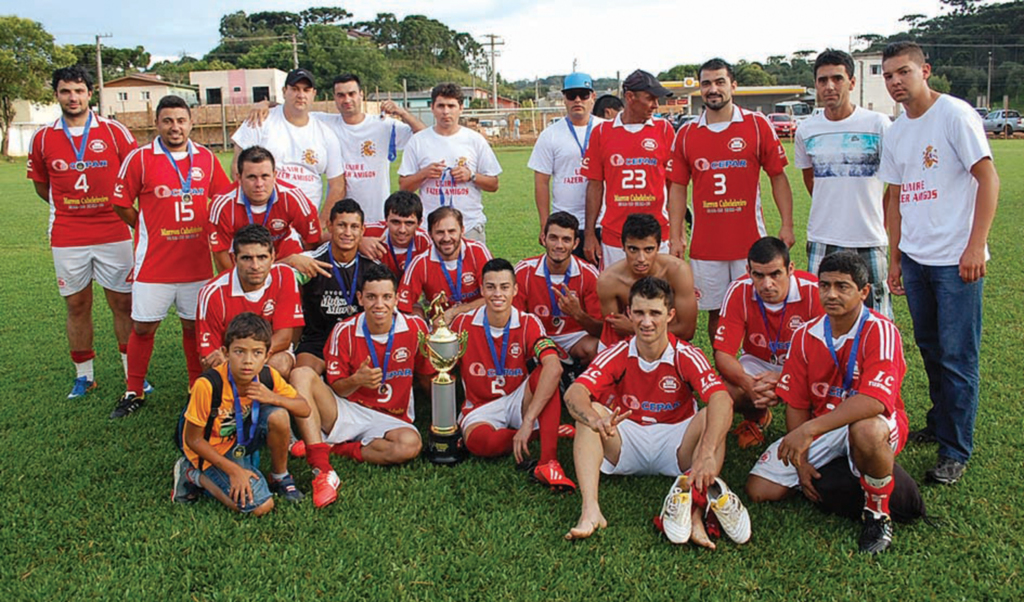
(75, 74)
(441, 213)
(448, 90)
(639, 226)
(652, 287)
(252, 234)
(172, 102)
(766, 250)
(846, 262)
(345, 78)
(404, 204)
(905, 47)
(376, 272)
(346, 206)
(605, 102)
(255, 154)
(562, 219)
(831, 56)
(248, 325)
(716, 64)
(497, 265)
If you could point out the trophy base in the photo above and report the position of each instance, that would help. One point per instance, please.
(446, 450)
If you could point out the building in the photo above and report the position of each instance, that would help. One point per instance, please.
(28, 117)
(140, 92)
(686, 97)
(421, 99)
(870, 92)
(238, 86)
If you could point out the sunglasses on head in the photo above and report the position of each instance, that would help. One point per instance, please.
(577, 94)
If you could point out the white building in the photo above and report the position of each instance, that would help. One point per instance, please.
(870, 92)
(28, 117)
(139, 93)
(239, 86)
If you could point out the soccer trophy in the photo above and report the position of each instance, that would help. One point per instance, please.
(444, 348)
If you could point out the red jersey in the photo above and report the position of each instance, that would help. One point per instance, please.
(659, 392)
(632, 167)
(278, 302)
(291, 211)
(726, 168)
(81, 213)
(170, 239)
(429, 276)
(347, 349)
(526, 339)
(397, 259)
(741, 322)
(536, 297)
(811, 379)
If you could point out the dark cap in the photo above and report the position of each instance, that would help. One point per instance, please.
(642, 81)
(297, 75)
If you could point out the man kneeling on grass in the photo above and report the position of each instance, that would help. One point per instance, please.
(234, 410)
(651, 425)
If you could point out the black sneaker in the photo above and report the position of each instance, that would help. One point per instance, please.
(127, 405)
(876, 535)
(947, 471)
(922, 437)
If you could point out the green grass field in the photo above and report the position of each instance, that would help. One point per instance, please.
(85, 510)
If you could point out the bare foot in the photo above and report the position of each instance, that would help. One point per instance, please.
(698, 534)
(586, 527)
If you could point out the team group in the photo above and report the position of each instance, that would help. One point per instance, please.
(312, 324)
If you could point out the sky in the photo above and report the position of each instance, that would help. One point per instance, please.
(541, 37)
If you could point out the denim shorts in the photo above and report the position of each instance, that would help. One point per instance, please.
(260, 488)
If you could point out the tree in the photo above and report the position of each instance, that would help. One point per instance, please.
(117, 62)
(679, 72)
(28, 58)
(939, 83)
(327, 51)
(752, 74)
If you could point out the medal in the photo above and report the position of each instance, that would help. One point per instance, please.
(79, 150)
(499, 364)
(852, 361)
(242, 437)
(186, 197)
(80, 165)
(384, 390)
(440, 185)
(239, 452)
(500, 381)
(556, 322)
(555, 310)
(454, 287)
(372, 346)
(348, 294)
(185, 183)
(775, 361)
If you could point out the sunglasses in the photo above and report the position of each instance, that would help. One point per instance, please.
(577, 94)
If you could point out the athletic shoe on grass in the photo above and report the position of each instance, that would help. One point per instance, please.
(553, 475)
(675, 511)
(184, 492)
(128, 404)
(731, 513)
(946, 472)
(287, 489)
(876, 535)
(82, 386)
(750, 432)
(325, 488)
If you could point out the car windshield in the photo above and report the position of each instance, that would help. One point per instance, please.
(781, 118)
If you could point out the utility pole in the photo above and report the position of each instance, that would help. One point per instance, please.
(988, 93)
(494, 41)
(99, 70)
(574, 61)
(295, 53)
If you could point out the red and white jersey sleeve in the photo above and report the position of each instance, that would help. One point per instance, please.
(81, 210)
(632, 167)
(426, 276)
(742, 325)
(171, 238)
(725, 169)
(533, 296)
(291, 216)
(811, 380)
(397, 259)
(659, 392)
(347, 348)
(479, 374)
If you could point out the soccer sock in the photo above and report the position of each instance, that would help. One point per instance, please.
(317, 456)
(487, 442)
(352, 449)
(877, 493)
(123, 348)
(279, 476)
(549, 419)
(83, 363)
(191, 347)
(140, 350)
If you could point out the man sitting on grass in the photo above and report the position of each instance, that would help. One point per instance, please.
(221, 432)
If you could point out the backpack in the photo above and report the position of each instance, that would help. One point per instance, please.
(217, 384)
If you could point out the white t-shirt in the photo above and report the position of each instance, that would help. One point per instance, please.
(364, 150)
(559, 154)
(847, 204)
(464, 147)
(302, 154)
(930, 157)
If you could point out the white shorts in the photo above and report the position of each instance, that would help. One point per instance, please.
(648, 449)
(568, 341)
(151, 300)
(712, 278)
(503, 413)
(610, 255)
(357, 422)
(477, 233)
(755, 365)
(823, 450)
(108, 264)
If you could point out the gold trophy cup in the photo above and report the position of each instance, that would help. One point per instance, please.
(444, 348)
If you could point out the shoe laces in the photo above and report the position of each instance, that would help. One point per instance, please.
(727, 508)
(675, 502)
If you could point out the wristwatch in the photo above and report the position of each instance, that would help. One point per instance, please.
(472, 178)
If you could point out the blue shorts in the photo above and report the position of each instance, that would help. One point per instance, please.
(260, 488)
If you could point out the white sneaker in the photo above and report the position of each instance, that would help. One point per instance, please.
(730, 511)
(675, 512)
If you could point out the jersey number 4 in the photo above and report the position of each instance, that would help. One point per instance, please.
(82, 184)
(633, 179)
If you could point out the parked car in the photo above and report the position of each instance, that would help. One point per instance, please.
(1004, 122)
(682, 119)
(983, 111)
(785, 125)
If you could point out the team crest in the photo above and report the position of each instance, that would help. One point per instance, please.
(401, 354)
(278, 224)
(696, 293)
(368, 148)
(59, 165)
(669, 384)
(515, 350)
(462, 162)
(61, 283)
(931, 157)
(268, 307)
(309, 157)
(702, 164)
(616, 160)
(795, 322)
(649, 144)
(738, 144)
(468, 278)
(97, 146)
(197, 173)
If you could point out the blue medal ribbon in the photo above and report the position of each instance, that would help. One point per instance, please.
(348, 294)
(248, 206)
(773, 346)
(244, 438)
(408, 253)
(440, 184)
(499, 365)
(454, 287)
(555, 310)
(79, 150)
(393, 145)
(186, 184)
(372, 345)
(850, 363)
(586, 137)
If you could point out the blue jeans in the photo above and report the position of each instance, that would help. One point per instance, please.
(946, 312)
(260, 488)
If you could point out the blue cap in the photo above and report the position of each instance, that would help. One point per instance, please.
(577, 81)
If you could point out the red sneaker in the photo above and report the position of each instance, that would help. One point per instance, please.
(552, 475)
(750, 432)
(566, 431)
(325, 488)
(298, 449)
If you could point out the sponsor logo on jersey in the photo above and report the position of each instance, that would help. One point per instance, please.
(669, 384)
(542, 311)
(641, 161)
(332, 367)
(401, 354)
(631, 402)
(883, 381)
(477, 369)
(309, 157)
(758, 340)
(368, 148)
(162, 192)
(278, 224)
(702, 164)
(730, 164)
(97, 146)
(515, 350)
(737, 144)
(59, 165)
(795, 322)
(820, 389)
(616, 160)
(930, 157)
(586, 163)
(268, 307)
(649, 144)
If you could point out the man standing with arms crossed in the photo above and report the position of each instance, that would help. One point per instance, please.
(723, 153)
(938, 231)
(839, 152)
(73, 164)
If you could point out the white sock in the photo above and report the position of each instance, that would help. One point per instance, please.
(85, 369)
(278, 477)
(124, 363)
